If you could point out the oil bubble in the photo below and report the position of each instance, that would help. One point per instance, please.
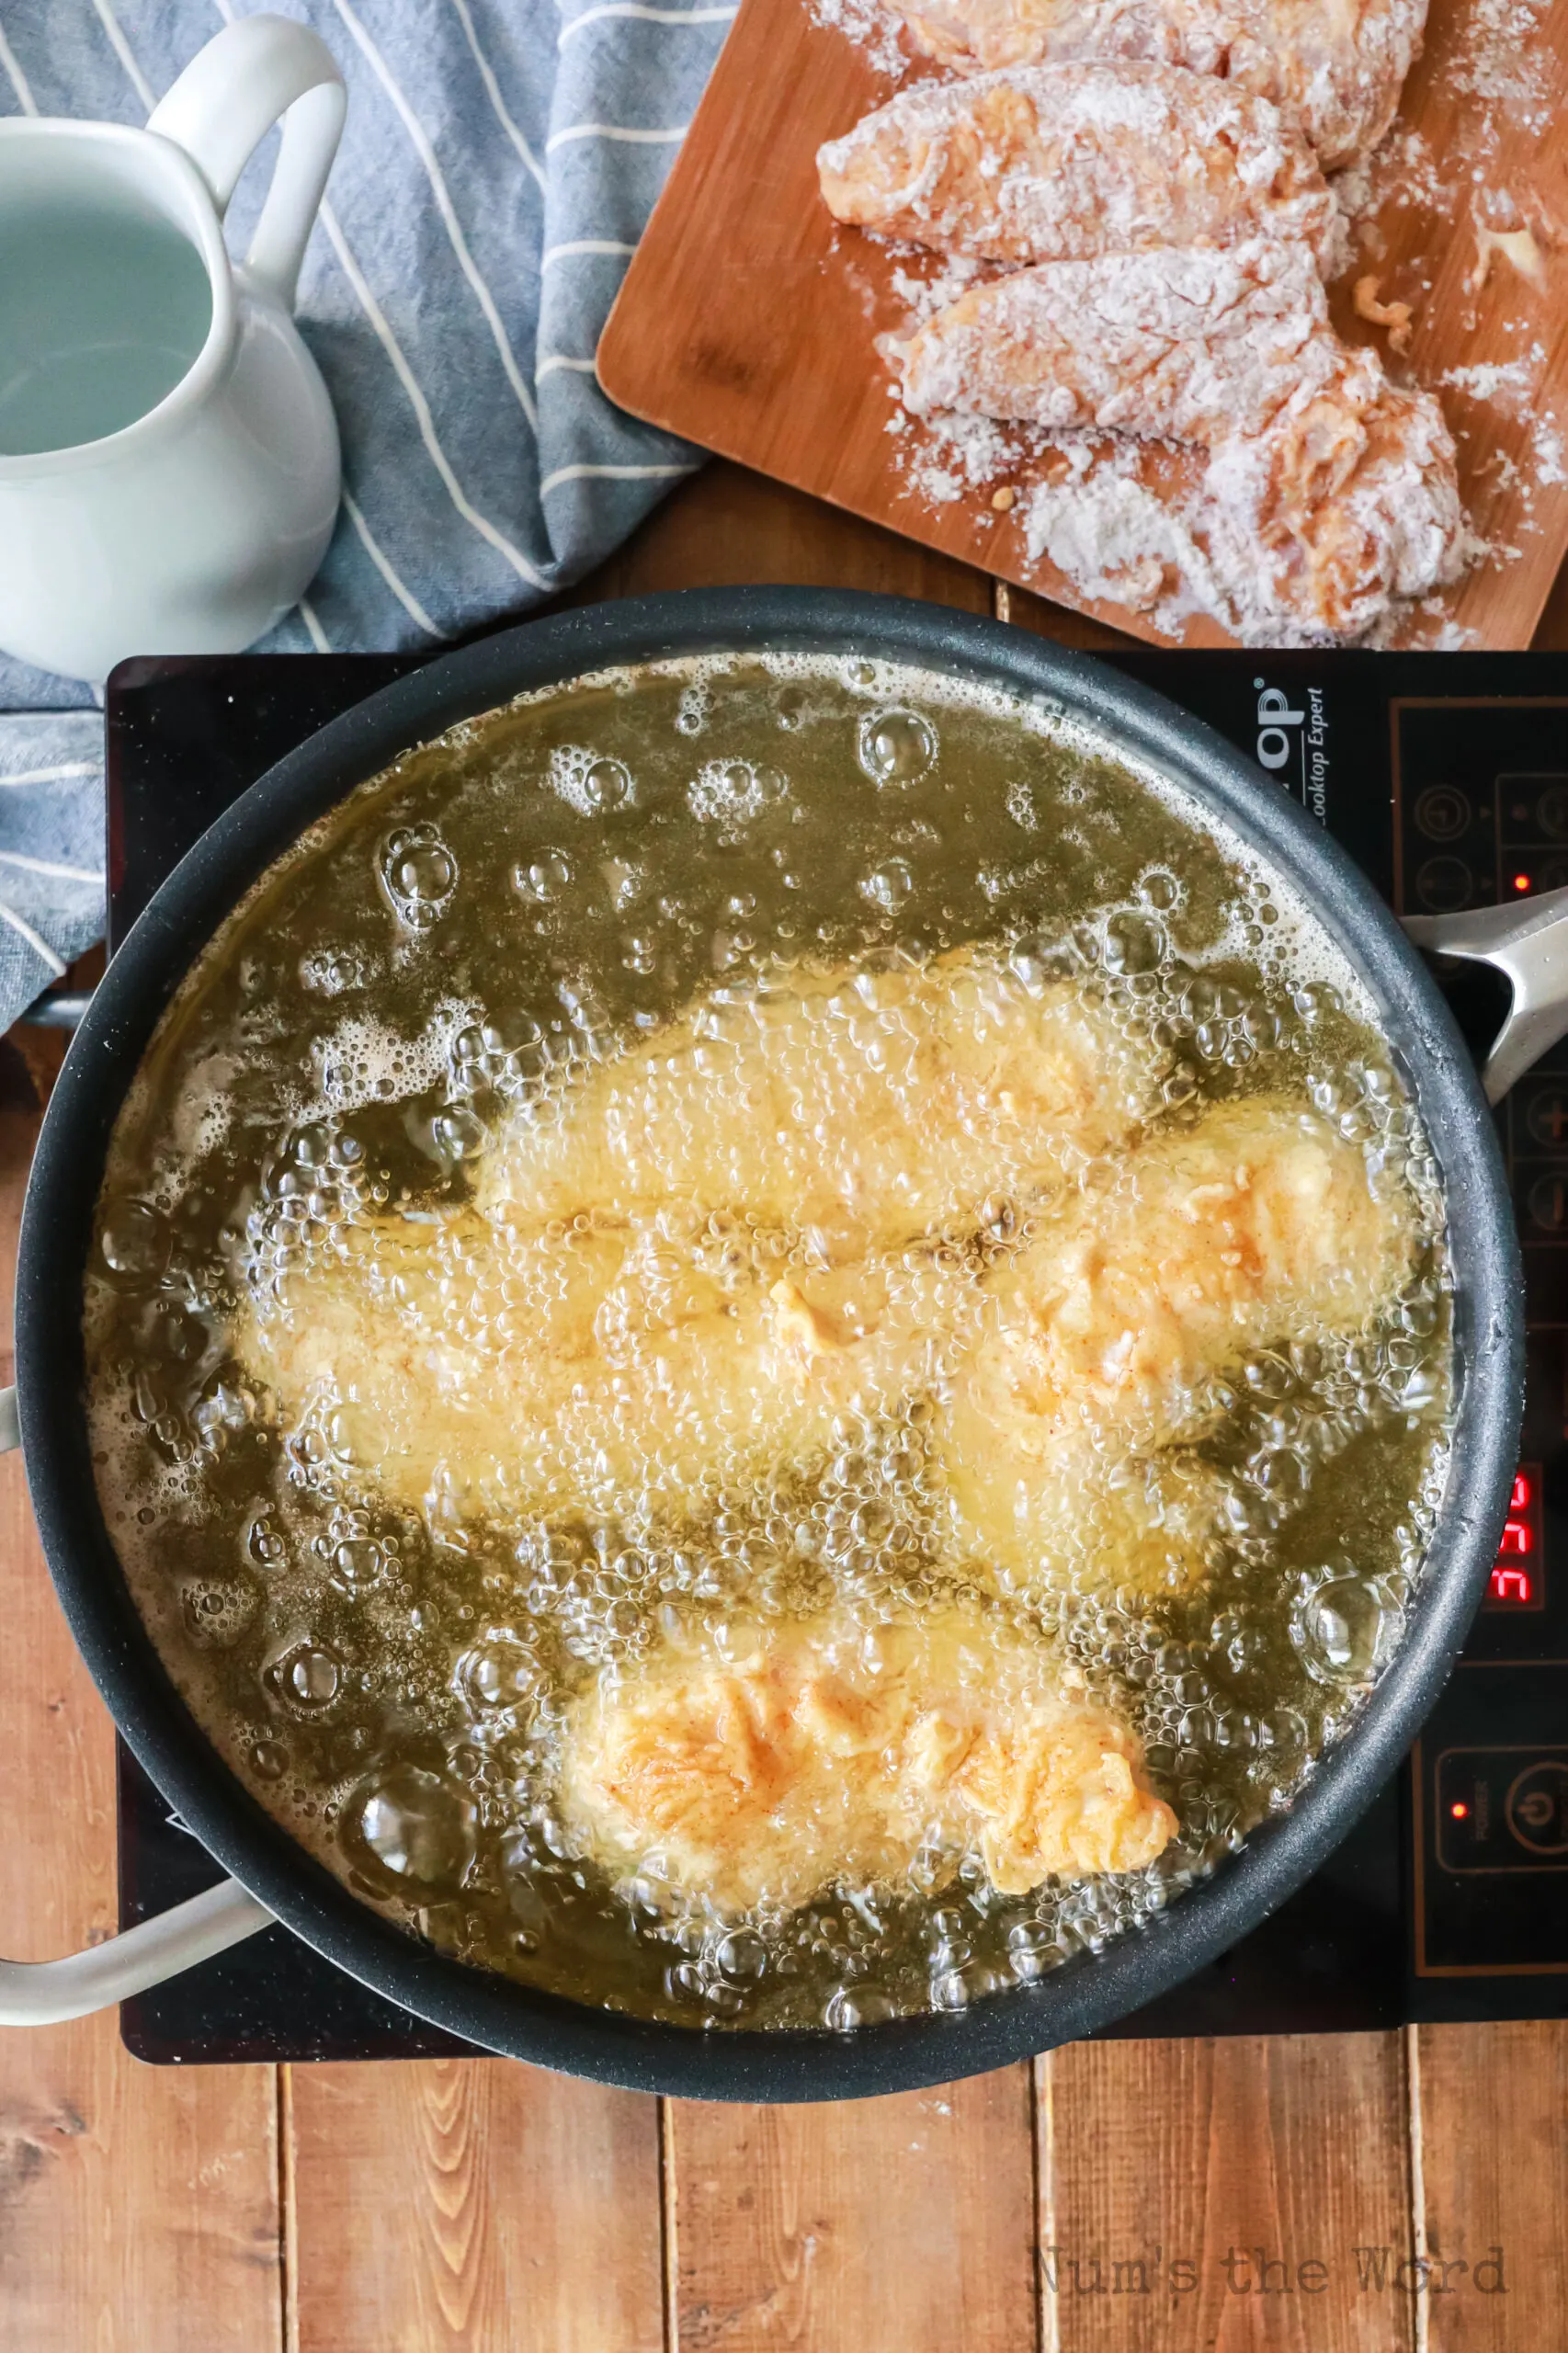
(895, 747)
(856, 2005)
(593, 785)
(416, 1824)
(1343, 1630)
(308, 1678)
(497, 1674)
(419, 875)
(1134, 943)
(134, 1242)
(541, 878)
(269, 1758)
(735, 791)
(888, 885)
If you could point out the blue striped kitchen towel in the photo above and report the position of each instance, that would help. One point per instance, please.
(498, 166)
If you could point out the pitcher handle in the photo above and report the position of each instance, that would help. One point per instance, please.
(43, 1993)
(257, 70)
(1527, 941)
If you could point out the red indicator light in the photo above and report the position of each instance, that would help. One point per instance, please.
(1516, 1541)
(1511, 1584)
(1520, 1498)
(1521, 881)
(1458, 1809)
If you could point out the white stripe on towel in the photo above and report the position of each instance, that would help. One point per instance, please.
(93, 874)
(650, 15)
(399, 588)
(421, 407)
(133, 73)
(615, 131)
(612, 473)
(15, 75)
(552, 254)
(558, 360)
(493, 91)
(40, 947)
(445, 206)
(55, 774)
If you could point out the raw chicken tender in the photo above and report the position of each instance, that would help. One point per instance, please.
(1345, 486)
(1350, 498)
(860, 1107)
(1056, 163)
(1105, 1333)
(468, 1371)
(1184, 344)
(818, 1753)
(1338, 70)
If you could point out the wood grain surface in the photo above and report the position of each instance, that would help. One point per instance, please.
(476, 2204)
(748, 320)
(903, 2224)
(478, 2207)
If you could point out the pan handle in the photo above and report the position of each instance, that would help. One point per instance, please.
(1527, 941)
(43, 1993)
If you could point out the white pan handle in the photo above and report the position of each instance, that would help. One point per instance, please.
(42, 1992)
(1527, 941)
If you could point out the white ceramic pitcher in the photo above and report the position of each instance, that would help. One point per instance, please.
(196, 486)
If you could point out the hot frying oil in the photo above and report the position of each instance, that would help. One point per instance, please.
(393, 1662)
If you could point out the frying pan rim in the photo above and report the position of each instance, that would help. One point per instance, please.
(1089, 1992)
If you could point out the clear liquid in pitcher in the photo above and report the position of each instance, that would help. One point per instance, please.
(103, 309)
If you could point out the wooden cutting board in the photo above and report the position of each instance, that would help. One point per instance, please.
(748, 318)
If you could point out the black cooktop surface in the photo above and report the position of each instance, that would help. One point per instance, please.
(1446, 776)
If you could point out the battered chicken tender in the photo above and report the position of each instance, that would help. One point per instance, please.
(1347, 487)
(1184, 344)
(468, 1370)
(1105, 1333)
(1064, 162)
(1350, 498)
(1338, 70)
(817, 1752)
(863, 1107)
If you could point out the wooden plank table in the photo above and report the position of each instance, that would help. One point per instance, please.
(1275, 2193)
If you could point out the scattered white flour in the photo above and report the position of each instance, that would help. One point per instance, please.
(1505, 382)
(873, 29)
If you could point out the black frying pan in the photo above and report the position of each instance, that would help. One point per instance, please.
(1089, 1991)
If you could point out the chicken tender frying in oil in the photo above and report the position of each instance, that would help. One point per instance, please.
(858, 1108)
(469, 1370)
(686, 1266)
(1069, 162)
(819, 1753)
(1339, 71)
(1103, 1335)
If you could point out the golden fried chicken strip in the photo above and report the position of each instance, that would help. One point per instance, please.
(1107, 1330)
(1060, 163)
(817, 1752)
(1188, 343)
(860, 1107)
(466, 1370)
(1339, 69)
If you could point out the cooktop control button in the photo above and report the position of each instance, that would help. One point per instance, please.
(1442, 813)
(1536, 1808)
(1445, 885)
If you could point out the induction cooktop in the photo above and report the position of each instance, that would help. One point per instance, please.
(1446, 776)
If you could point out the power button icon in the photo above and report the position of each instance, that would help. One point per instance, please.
(1536, 1808)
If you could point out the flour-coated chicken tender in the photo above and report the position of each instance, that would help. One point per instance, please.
(1106, 1331)
(817, 1752)
(1338, 70)
(863, 1106)
(1067, 162)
